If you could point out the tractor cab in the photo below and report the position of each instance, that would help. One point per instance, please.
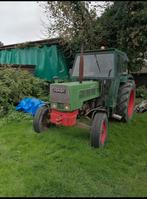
(101, 64)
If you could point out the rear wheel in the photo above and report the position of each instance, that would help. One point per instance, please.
(126, 101)
(41, 119)
(99, 128)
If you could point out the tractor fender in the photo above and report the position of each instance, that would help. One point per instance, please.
(126, 77)
(99, 110)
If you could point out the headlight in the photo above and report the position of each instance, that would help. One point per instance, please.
(54, 105)
(66, 107)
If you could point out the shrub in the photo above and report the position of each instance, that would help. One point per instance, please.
(141, 92)
(13, 115)
(16, 84)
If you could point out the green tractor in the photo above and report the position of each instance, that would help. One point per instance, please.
(100, 87)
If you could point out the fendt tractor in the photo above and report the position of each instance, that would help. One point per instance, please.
(99, 87)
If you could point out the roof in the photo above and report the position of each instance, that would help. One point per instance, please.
(32, 43)
(104, 50)
(67, 51)
(123, 54)
(142, 71)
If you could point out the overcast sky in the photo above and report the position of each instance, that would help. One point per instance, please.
(20, 21)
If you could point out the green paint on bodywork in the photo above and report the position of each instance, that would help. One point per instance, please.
(90, 88)
(112, 95)
(111, 100)
(78, 93)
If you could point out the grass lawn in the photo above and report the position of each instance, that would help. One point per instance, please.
(60, 162)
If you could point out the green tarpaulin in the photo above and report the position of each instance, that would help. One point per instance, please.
(49, 61)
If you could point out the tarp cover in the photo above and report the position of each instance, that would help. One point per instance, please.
(29, 105)
(49, 61)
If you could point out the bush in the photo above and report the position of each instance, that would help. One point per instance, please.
(13, 115)
(141, 92)
(16, 84)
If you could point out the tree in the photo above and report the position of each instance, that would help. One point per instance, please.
(1, 44)
(75, 21)
(124, 27)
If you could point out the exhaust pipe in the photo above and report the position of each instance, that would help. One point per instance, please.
(81, 65)
(116, 116)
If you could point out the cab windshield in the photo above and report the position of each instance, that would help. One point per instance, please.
(95, 65)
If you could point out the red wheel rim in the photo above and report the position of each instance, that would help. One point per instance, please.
(103, 134)
(131, 103)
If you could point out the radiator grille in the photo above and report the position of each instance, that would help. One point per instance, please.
(87, 92)
(60, 106)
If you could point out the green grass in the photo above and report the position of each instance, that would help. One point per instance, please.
(60, 162)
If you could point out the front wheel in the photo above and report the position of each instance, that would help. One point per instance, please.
(41, 119)
(99, 129)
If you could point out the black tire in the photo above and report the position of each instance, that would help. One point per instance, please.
(41, 119)
(99, 129)
(126, 101)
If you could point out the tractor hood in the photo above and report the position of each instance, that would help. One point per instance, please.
(73, 94)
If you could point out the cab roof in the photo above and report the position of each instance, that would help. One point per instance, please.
(115, 50)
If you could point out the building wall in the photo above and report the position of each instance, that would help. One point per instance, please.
(140, 79)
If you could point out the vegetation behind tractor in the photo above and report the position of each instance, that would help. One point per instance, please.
(100, 88)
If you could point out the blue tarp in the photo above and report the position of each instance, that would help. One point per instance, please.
(29, 105)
